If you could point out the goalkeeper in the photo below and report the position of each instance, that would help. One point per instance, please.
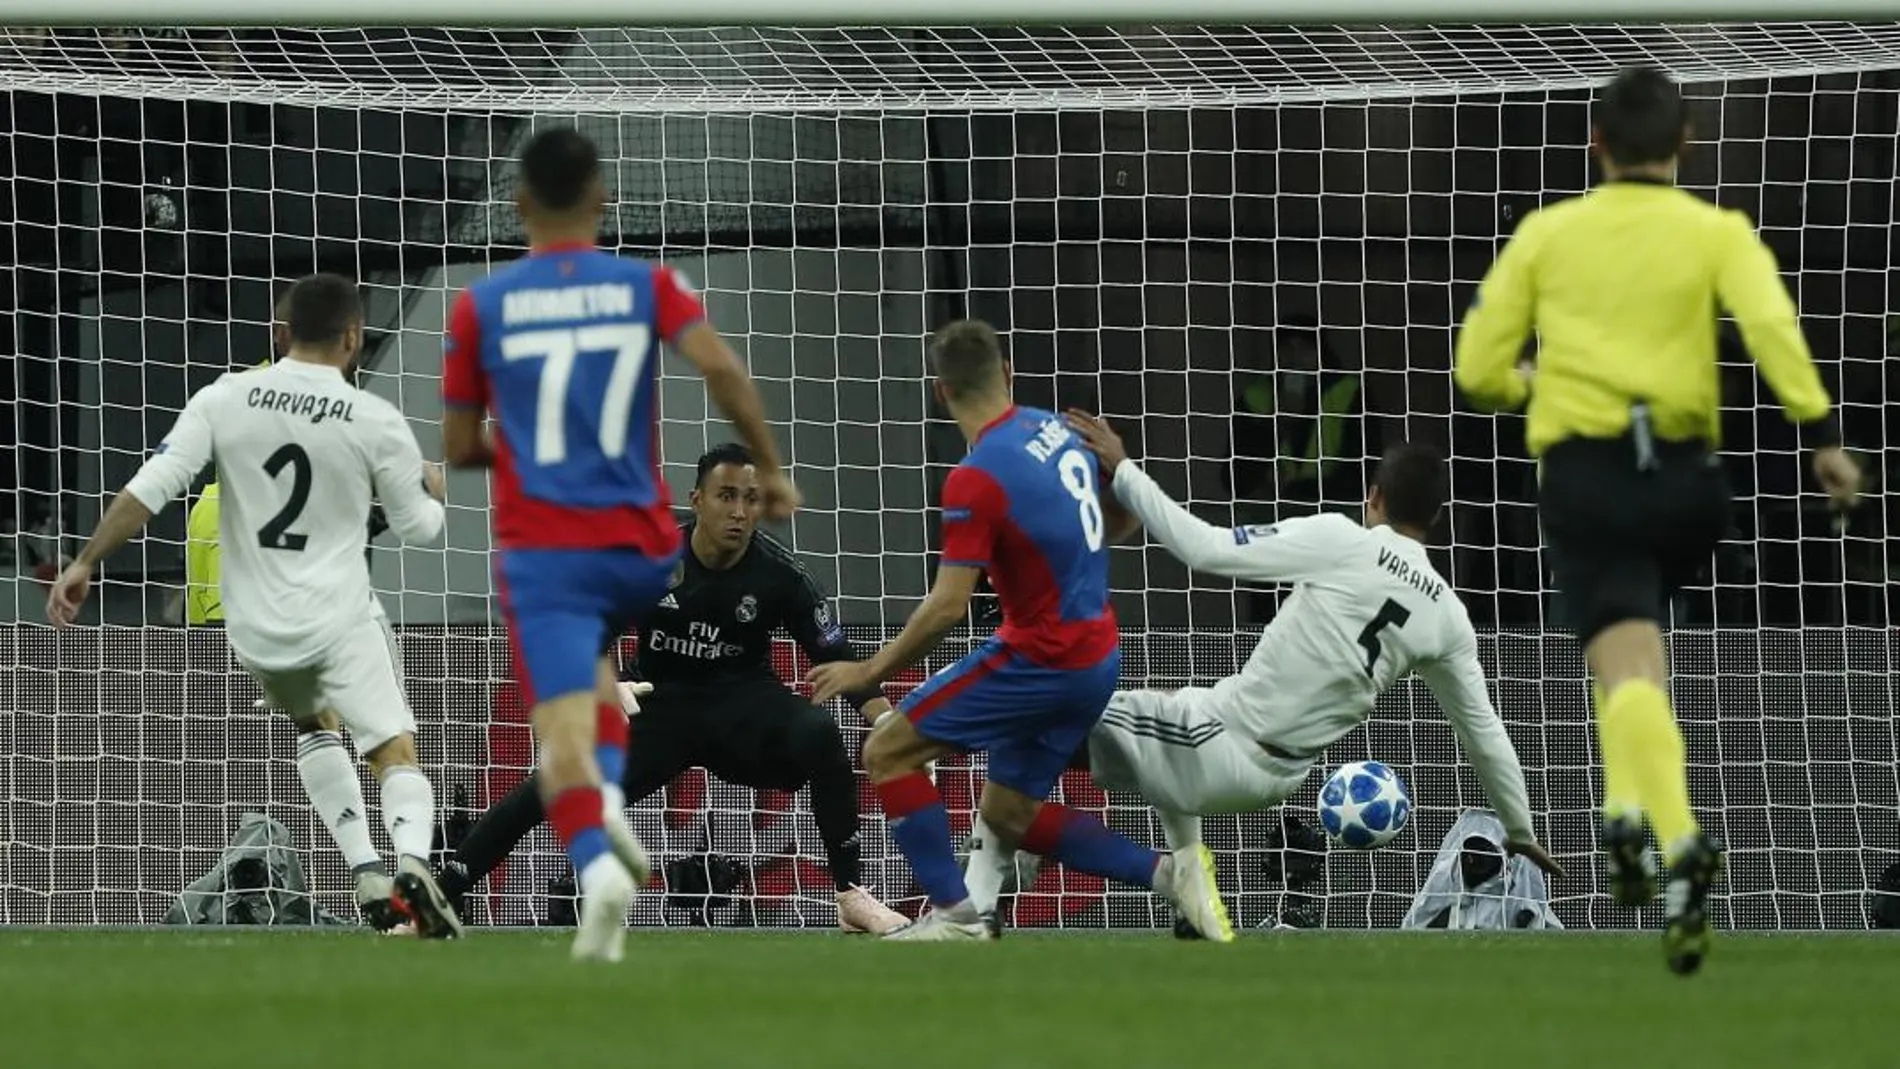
(705, 655)
(1622, 286)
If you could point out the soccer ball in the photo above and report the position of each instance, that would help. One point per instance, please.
(1364, 805)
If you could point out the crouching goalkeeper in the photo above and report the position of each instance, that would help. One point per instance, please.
(710, 697)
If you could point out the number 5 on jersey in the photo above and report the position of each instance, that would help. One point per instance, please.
(628, 343)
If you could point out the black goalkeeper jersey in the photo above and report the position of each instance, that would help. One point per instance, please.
(716, 626)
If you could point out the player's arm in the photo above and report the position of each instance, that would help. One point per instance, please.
(1459, 685)
(465, 442)
(1750, 288)
(1491, 342)
(409, 490)
(168, 473)
(973, 505)
(682, 323)
(813, 625)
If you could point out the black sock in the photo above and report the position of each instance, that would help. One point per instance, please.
(834, 807)
(506, 823)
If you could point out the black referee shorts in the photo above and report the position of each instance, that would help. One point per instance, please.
(1622, 540)
(754, 733)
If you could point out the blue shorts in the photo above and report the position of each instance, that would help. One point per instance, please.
(1030, 719)
(566, 607)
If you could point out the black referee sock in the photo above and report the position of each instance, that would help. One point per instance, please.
(506, 823)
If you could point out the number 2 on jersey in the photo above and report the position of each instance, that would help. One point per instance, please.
(1078, 475)
(559, 349)
(276, 534)
(1391, 614)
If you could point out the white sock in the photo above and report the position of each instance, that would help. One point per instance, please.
(988, 867)
(1181, 829)
(597, 870)
(409, 811)
(329, 779)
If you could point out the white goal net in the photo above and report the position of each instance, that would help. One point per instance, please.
(1248, 246)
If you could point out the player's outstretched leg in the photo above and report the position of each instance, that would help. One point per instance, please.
(894, 759)
(994, 870)
(329, 780)
(489, 842)
(409, 818)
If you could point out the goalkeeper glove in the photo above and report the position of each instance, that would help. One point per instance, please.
(630, 695)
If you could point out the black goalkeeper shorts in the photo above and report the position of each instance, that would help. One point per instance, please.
(751, 733)
(1621, 540)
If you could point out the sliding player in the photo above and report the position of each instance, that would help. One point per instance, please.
(300, 454)
(1367, 609)
(1621, 286)
(1024, 505)
(707, 649)
(560, 348)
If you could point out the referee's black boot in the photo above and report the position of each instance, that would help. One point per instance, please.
(1686, 937)
(1628, 864)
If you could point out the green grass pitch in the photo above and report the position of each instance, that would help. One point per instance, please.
(133, 999)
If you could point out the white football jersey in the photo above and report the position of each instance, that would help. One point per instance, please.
(1367, 609)
(300, 454)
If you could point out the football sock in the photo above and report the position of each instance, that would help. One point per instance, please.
(988, 867)
(1640, 734)
(1082, 842)
(409, 812)
(506, 823)
(834, 806)
(610, 746)
(1181, 829)
(576, 815)
(329, 779)
(921, 829)
(1620, 799)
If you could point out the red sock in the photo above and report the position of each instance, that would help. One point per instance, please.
(574, 812)
(610, 726)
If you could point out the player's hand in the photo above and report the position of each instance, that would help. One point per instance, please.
(1537, 854)
(1099, 437)
(780, 496)
(68, 594)
(434, 481)
(630, 695)
(1839, 475)
(830, 680)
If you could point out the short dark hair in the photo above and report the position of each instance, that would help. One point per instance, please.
(1641, 117)
(727, 453)
(557, 167)
(967, 356)
(319, 308)
(1414, 482)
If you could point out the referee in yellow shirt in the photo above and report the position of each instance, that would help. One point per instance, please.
(1623, 286)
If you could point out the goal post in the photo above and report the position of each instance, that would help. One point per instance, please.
(1248, 245)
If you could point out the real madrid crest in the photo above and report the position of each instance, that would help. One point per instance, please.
(748, 610)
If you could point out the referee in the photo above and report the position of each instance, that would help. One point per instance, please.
(716, 702)
(1623, 286)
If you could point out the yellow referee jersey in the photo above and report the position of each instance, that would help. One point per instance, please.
(204, 604)
(1623, 286)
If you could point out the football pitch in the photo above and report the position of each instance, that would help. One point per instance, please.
(511, 1000)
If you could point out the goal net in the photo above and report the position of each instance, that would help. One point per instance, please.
(1249, 247)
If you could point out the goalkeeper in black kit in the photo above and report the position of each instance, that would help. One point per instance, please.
(715, 701)
(1622, 286)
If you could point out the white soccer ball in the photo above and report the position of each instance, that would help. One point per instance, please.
(1364, 804)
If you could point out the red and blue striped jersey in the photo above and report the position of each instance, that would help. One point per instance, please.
(561, 347)
(1025, 505)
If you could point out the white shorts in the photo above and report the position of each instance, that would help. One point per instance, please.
(358, 677)
(1178, 756)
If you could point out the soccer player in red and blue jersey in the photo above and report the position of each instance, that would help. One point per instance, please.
(1025, 505)
(560, 348)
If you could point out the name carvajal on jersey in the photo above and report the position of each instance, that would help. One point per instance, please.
(604, 301)
(1403, 570)
(1053, 435)
(293, 403)
(700, 642)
